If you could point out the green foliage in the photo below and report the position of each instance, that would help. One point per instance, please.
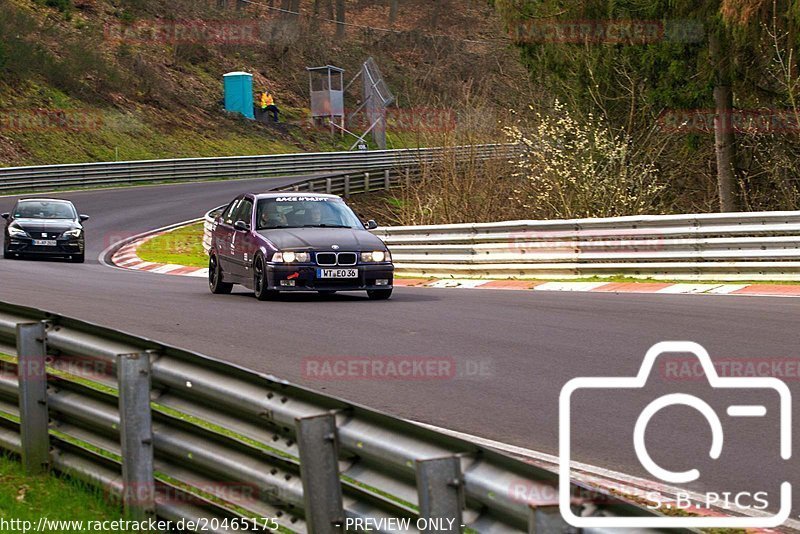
(750, 45)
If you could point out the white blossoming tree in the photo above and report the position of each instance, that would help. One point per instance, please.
(579, 169)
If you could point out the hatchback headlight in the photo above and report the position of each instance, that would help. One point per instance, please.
(72, 233)
(291, 257)
(375, 256)
(15, 231)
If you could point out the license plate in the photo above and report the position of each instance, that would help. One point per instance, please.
(337, 273)
(44, 242)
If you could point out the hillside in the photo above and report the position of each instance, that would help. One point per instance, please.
(99, 80)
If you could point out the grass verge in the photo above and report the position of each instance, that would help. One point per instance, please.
(183, 246)
(28, 498)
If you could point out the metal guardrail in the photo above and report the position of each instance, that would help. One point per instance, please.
(727, 246)
(91, 174)
(730, 246)
(307, 460)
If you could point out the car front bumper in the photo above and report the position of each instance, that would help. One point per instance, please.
(63, 247)
(304, 278)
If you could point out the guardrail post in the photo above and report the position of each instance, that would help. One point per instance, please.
(366, 182)
(440, 487)
(547, 519)
(136, 435)
(328, 185)
(346, 186)
(32, 376)
(408, 177)
(386, 180)
(319, 468)
(310, 186)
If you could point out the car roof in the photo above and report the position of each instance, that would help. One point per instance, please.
(61, 200)
(299, 195)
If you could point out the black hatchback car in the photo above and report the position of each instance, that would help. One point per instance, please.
(276, 242)
(44, 227)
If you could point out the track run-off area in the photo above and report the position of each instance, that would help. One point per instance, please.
(504, 355)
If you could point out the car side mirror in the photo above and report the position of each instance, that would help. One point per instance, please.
(371, 225)
(83, 218)
(6, 215)
(241, 226)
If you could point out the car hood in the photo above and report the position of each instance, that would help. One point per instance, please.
(49, 226)
(348, 239)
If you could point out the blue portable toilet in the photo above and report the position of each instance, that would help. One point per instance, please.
(239, 93)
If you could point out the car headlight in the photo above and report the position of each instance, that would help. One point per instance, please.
(375, 256)
(72, 233)
(291, 257)
(15, 231)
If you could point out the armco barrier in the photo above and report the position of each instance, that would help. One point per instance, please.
(744, 246)
(92, 174)
(231, 443)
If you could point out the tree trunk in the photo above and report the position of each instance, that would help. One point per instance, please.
(725, 145)
(437, 9)
(393, 9)
(340, 19)
(724, 135)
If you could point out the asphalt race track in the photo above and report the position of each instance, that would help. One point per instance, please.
(513, 350)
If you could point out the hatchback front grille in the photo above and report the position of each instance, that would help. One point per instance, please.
(330, 259)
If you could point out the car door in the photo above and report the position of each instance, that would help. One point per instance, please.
(223, 237)
(241, 241)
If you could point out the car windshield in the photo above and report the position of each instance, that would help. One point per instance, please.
(305, 212)
(42, 209)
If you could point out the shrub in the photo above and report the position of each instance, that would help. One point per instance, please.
(579, 169)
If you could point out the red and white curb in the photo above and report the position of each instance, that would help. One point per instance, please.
(127, 258)
(770, 290)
